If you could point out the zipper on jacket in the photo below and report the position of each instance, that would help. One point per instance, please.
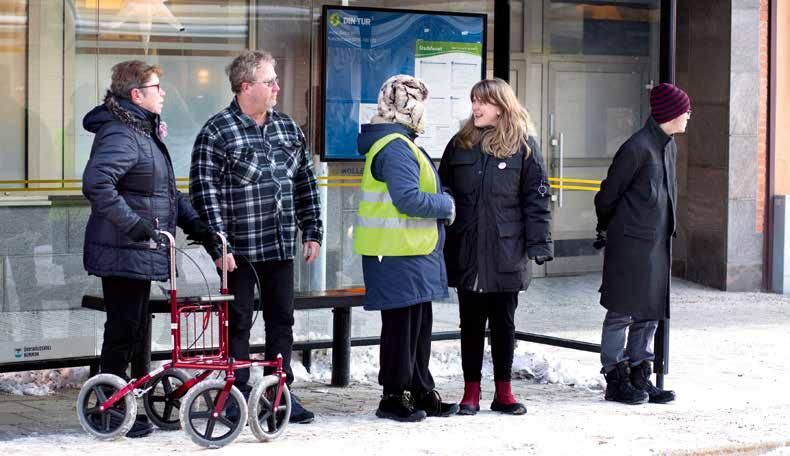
(478, 208)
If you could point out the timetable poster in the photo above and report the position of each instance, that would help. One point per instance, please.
(363, 47)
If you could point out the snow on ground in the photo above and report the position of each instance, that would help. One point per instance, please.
(728, 365)
(42, 382)
(531, 364)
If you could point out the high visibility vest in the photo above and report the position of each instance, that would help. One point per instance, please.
(381, 230)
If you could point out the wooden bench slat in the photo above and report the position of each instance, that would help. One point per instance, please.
(330, 299)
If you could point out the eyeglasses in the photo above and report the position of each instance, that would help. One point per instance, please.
(270, 82)
(158, 88)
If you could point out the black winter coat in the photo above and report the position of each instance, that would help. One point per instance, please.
(636, 207)
(502, 217)
(129, 176)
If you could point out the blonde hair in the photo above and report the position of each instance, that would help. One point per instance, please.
(512, 129)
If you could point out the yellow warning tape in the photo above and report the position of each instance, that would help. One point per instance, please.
(40, 181)
(41, 189)
(579, 181)
(576, 187)
(326, 181)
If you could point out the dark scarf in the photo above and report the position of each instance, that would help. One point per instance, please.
(135, 117)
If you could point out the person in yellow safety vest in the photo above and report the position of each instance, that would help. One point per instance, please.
(400, 234)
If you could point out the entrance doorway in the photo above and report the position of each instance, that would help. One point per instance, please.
(584, 74)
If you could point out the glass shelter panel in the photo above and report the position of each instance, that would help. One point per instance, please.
(13, 87)
(55, 61)
(587, 72)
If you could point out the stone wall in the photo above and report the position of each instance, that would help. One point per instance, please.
(718, 63)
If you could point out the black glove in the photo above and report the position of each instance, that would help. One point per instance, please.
(600, 240)
(539, 260)
(143, 231)
(198, 231)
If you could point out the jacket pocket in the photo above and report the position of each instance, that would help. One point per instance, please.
(505, 174)
(466, 176)
(286, 152)
(246, 168)
(638, 232)
(511, 247)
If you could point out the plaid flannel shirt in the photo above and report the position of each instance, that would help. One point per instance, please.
(255, 183)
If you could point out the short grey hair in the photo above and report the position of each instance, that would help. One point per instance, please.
(242, 68)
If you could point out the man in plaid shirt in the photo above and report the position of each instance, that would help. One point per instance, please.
(252, 178)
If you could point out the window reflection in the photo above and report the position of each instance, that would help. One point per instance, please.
(601, 28)
(13, 42)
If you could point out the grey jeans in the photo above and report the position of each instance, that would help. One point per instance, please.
(615, 348)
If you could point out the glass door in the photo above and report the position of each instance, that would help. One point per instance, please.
(593, 109)
(599, 60)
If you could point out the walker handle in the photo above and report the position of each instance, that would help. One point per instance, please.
(224, 242)
(171, 244)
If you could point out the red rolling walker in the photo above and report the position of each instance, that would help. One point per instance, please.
(212, 412)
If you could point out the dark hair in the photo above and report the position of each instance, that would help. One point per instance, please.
(131, 74)
(242, 68)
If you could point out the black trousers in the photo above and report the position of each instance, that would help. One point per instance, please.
(498, 309)
(277, 298)
(406, 349)
(128, 320)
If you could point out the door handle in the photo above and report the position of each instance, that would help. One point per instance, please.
(562, 168)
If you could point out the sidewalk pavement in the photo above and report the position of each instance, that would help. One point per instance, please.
(728, 364)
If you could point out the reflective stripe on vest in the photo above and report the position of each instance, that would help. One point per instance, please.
(381, 230)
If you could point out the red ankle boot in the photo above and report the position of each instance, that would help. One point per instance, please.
(470, 404)
(504, 401)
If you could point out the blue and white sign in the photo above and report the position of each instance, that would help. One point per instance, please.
(365, 46)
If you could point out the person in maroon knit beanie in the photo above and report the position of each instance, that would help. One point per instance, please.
(636, 208)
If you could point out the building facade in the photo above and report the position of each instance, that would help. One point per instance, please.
(583, 69)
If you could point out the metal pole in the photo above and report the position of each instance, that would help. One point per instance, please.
(341, 346)
(666, 74)
(501, 39)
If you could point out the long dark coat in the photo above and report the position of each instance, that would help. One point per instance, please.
(502, 217)
(636, 207)
(129, 176)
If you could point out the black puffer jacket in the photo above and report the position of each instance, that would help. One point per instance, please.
(502, 217)
(129, 176)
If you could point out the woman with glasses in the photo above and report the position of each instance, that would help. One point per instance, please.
(130, 184)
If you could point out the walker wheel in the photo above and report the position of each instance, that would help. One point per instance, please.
(266, 423)
(197, 414)
(161, 405)
(112, 423)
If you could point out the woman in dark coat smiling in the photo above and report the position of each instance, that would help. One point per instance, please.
(494, 170)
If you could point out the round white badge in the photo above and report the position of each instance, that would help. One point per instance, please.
(502, 165)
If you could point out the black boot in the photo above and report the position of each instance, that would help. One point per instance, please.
(141, 427)
(619, 387)
(640, 378)
(299, 414)
(431, 403)
(399, 407)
